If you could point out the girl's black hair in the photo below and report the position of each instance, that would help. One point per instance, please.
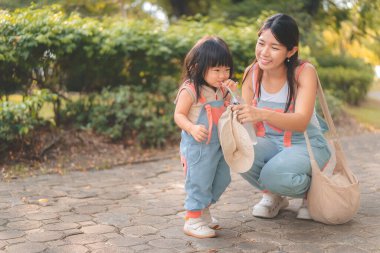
(208, 52)
(285, 29)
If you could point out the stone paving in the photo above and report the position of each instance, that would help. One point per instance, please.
(139, 208)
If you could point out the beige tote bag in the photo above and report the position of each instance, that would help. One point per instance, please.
(333, 198)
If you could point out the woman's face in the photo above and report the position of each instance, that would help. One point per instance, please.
(270, 53)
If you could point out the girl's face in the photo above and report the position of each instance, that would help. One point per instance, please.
(216, 75)
(269, 52)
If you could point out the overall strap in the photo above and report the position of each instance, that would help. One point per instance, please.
(260, 129)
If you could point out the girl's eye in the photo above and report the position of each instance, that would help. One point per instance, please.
(275, 48)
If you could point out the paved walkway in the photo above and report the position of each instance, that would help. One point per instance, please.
(138, 208)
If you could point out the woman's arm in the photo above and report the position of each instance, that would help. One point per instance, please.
(304, 106)
(247, 89)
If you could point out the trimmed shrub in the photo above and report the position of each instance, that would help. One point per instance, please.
(347, 78)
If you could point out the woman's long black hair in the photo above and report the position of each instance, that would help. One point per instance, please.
(209, 51)
(285, 29)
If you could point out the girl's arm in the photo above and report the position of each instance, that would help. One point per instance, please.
(304, 106)
(184, 103)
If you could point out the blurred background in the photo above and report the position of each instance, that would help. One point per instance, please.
(104, 73)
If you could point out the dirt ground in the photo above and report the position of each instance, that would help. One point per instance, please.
(61, 151)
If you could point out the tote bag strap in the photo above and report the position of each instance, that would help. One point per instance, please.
(340, 157)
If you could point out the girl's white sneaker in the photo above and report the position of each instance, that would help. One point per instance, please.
(269, 205)
(198, 228)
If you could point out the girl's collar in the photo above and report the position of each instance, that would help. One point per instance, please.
(215, 89)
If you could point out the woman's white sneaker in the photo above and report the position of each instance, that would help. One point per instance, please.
(207, 217)
(198, 228)
(269, 205)
(303, 212)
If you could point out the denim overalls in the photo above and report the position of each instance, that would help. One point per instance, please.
(207, 173)
(282, 164)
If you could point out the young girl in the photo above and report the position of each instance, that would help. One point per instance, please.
(283, 94)
(200, 102)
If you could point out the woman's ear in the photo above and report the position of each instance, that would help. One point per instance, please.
(291, 52)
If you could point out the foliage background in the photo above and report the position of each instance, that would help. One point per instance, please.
(113, 66)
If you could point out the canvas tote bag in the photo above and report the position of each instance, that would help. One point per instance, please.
(333, 198)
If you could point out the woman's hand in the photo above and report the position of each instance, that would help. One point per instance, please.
(247, 113)
(199, 132)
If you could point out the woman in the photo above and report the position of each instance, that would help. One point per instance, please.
(280, 92)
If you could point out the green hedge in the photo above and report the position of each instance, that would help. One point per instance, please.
(67, 52)
(126, 113)
(18, 120)
(347, 78)
(129, 67)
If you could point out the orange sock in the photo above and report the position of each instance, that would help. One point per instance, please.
(193, 214)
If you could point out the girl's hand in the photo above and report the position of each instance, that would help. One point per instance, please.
(230, 84)
(247, 113)
(199, 132)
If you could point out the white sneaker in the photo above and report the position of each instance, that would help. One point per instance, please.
(269, 205)
(303, 212)
(207, 217)
(198, 228)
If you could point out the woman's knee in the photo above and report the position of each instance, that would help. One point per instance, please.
(287, 184)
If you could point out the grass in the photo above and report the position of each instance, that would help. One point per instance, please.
(376, 85)
(47, 110)
(368, 113)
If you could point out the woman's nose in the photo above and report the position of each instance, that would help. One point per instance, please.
(265, 51)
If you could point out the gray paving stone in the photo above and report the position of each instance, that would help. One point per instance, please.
(82, 195)
(11, 234)
(257, 247)
(76, 218)
(114, 195)
(116, 219)
(72, 232)
(2, 244)
(68, 249)
(139, 231)
(90, 209)
(45, 236)
(127, 241)
(24, 225)
(160, 211)
(61, 226)
(126, 210)
(139, 208)
(85, 239)
(345, 249)
(86, 223)
(29, 247)
(113, 250)
(98, 229)
(41, 216)
(16, 240)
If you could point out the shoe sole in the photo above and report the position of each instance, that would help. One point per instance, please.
(284, 204)
(303, 216)
(198, 236)
(215, 227)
